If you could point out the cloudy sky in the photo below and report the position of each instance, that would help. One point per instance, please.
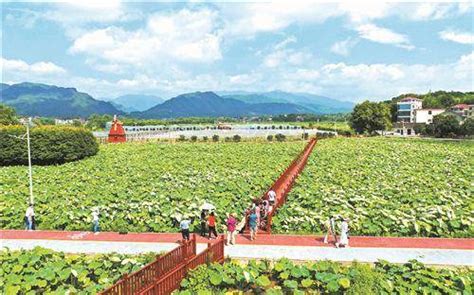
(351, 51)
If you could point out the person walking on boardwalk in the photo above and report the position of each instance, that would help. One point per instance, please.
(30, 217)
(271, 197)
(253, 224)
(231, 226)
(184, 225)
(211, 222)
(330, 227)
(344, 240)
(95, 221)
(203, 223)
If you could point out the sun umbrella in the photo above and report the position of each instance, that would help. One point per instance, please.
(207, 206)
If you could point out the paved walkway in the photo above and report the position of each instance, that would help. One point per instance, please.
(296, 247)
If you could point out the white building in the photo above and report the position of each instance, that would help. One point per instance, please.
(406, 109)
(425, 116)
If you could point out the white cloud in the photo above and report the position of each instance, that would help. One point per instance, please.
(382, 35)
(382, 81)
(38, 68)
(457, 36)
(287, 57)
(344, 47)
(182, 36)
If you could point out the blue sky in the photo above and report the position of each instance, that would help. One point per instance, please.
(347, 50)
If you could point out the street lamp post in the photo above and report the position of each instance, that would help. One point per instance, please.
(30, 172)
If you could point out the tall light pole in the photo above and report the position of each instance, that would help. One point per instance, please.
(30, 172)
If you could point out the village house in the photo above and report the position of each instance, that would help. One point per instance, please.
(425, 116)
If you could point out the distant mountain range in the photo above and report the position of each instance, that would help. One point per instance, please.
(135, 102)
(51, 101)
(32, 99)
(314, 103)
(209, 104)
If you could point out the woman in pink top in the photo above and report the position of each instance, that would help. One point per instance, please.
(231, 223)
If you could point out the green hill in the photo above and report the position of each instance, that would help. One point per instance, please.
(32, 99)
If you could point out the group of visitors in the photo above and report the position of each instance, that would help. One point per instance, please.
(30, 223)
(208, 224)
(330, 226)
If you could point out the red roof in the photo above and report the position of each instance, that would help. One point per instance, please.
(461, 106)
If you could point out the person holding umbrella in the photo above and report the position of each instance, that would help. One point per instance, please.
(205, 208)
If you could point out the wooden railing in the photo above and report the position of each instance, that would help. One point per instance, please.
(284, 183)
(139, 280)
(167, 284)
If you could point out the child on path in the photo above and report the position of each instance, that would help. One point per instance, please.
(344, 240)
(184, 225)
(330, 229)
(95, 221)
(30, 217)
(231, 226)
(211, 222)
(253, 224)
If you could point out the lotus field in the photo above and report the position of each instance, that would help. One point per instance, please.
(325, 277)
(43, 271)
(388, 187)
(142, 187)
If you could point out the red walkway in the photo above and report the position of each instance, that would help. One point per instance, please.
(282, 240)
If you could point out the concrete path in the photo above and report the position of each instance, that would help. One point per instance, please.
(305, 248)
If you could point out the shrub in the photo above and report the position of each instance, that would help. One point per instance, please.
(237, 138)
(215, 138)
(280, 137)
(194, 138)
(270, 137)
(49, 145)
(227, 139)
(182, 138)
(205, 138)
(305, 135)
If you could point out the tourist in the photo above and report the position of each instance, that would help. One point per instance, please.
(344, 240)
(203, 223)
(30, 217)
(231, 226)
(257, 210)
(271, 196)
(95, 221)
(184, 225)
(253, 224)
(211, 222)
(266, 207)
(330, 229)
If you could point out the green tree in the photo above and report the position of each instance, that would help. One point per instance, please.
(7, 115)
(467, 127)
(370, 116)
(446, 125)
(97, 122)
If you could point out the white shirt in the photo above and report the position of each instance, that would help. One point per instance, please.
(184, 224)
(30, 212)
(95, 216)
(271, 195)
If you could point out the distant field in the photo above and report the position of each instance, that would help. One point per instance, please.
(140, 187)
(387, 187)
